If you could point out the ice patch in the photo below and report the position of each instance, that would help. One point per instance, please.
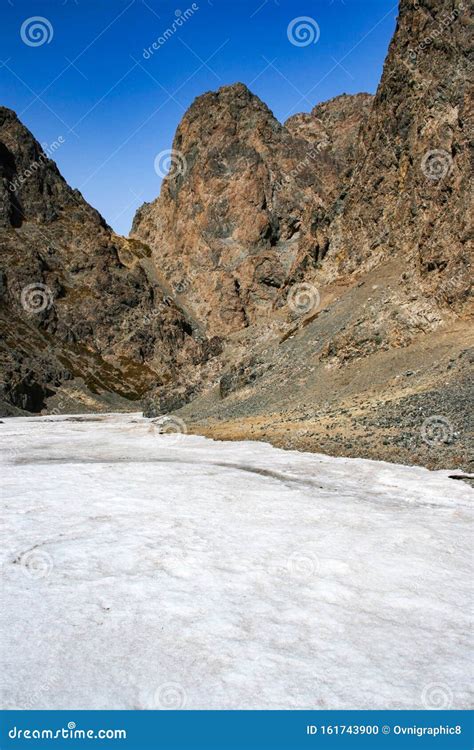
(141, 571)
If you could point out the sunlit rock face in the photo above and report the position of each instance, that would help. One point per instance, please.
(243, 199)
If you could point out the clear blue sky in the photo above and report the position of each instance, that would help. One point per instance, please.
(116, 110)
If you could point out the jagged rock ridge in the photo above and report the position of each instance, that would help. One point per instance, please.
(244, 200)
(382, 233)
(78, 303)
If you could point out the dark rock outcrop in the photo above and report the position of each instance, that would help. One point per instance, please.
(410, 190)
(77, 302)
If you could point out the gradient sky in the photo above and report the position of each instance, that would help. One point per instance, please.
(116, 110)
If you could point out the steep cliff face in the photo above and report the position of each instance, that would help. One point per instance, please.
(381, 367)
(409, 196)
(410, 189)
(77, 302)
(255, 207)
(336, 125)
(242, 201)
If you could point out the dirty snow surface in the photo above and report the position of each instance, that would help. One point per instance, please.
(147, 571)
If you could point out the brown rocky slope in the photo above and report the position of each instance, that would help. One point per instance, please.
(82, 314)
(367, 348)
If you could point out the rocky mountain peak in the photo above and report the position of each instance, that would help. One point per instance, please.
(77, 303)
(26, 177)
(242, 199)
